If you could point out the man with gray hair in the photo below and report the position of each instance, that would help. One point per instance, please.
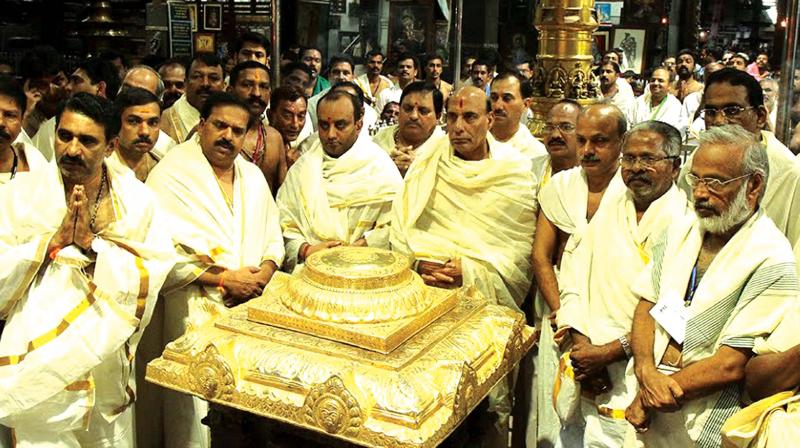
(718, 285)
(597, 303)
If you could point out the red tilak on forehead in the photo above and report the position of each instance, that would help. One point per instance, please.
(461, 102)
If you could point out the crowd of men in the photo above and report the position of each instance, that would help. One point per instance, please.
(141, 203)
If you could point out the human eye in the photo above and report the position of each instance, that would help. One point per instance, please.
(424, 111)
(87, 140)
(237, 131)
(153, 122)
(64, 135)
(341, 125)
(732, 111)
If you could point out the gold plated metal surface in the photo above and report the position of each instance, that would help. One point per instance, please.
(564, 60)
(314, 378)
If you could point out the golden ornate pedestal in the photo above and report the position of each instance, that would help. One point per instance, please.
(354, 346)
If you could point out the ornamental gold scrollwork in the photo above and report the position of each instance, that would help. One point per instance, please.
(465, 392)
(331, 407)
(210, 375)
(513, 350)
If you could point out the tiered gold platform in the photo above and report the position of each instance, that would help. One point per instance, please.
(355, 346)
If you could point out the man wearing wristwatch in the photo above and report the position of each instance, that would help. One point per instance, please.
(597, 304)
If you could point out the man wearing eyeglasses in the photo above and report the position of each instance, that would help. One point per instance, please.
(718, 285)
(560, 140)
(734, 97)
(597, 302)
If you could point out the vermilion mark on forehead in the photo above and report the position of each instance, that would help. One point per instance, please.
(461, 103)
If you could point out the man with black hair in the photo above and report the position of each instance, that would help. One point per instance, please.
(407, 69)
(138, 113)
(615, 89)
(481, 75)
(373, 82)
(434, 64)
(173, 73)
(288, 115)
(262, 145)
(312, 57)
(420, 109)
(252, 46)
(17, 157)
(341, 69)
(511, 97)
(85, 257)
(225, 224)
(205, 77)
(94, 76)
(340, 191)
(686, 83)
(44, 83)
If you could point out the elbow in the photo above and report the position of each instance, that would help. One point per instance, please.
(732, 371)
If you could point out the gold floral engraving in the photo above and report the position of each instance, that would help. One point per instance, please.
(210, 376)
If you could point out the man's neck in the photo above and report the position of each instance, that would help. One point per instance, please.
(656, 100)
(437, 82)
(609, 90)
(716, 241)
(505, 133)
(600, 182)
(6, 157)
(403, 141)
(131, 158)
(685, 80)
(402, 84)
(374, 78)
(562, 163)
(91, 186)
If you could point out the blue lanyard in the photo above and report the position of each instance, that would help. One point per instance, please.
(692, 287)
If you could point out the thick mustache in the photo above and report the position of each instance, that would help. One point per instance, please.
(143, 139)
(704, 205)
(70, 160)
(4, 134)
(257, 100)
(556, 141)
(639, 177)
(224, 143)
(590, 158)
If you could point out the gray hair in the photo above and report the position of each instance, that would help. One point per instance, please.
(754, 153)
(672, 141)
(160, 83)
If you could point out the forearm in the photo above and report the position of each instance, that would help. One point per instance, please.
(771, 373)
(547, 282)
(642, 338)
(211, 277)
(545, 244)
(712, 374)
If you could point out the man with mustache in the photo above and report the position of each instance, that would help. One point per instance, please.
(511, 96)
(597, 304)
(147, 78)
(205, 77)
(420, 108)
(226, 226)
(718, 285)
(407, 67)
(138, 113)
(340, 191)
(734, 97)
(466, 215)
(173, 73)
(373, 82)
(340, 73)
(615, 89)
(433, 74)
(312, 57)
(85, 254)
(17, 157)
(95, 76)
(288, 115)
(686, 84)
(658, 104)
(561, 143)
(262, 144)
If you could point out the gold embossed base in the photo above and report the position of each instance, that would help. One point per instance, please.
(382, 337)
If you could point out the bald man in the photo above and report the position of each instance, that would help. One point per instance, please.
(466, 215)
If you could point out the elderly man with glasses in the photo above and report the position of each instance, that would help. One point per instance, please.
(734, 97)
(718, 285)
(597, 301)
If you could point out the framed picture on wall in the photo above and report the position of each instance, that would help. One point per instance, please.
(633, 43)
(212, 17)
(193, 16)
(601, 41)
(204, 43)
(410, 27)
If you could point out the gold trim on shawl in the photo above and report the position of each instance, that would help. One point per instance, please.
(27, 277)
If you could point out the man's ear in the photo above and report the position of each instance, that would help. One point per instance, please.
(101, 89)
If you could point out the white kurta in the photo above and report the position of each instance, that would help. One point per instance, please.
(179, 119)
(44, 139)
(67, 350)
(385, 137)
(35, 159)
(739, 301)
(669, 110)
(207, 233)
(343, 199)
(614, 251)
(624, 97)
(524, 142)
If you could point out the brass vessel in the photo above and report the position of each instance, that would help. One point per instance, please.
(354, 346)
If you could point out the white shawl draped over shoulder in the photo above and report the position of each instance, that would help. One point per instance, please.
(748, 287)
(206, 231)
(70, 337)
(481, 212)
(342, 199)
